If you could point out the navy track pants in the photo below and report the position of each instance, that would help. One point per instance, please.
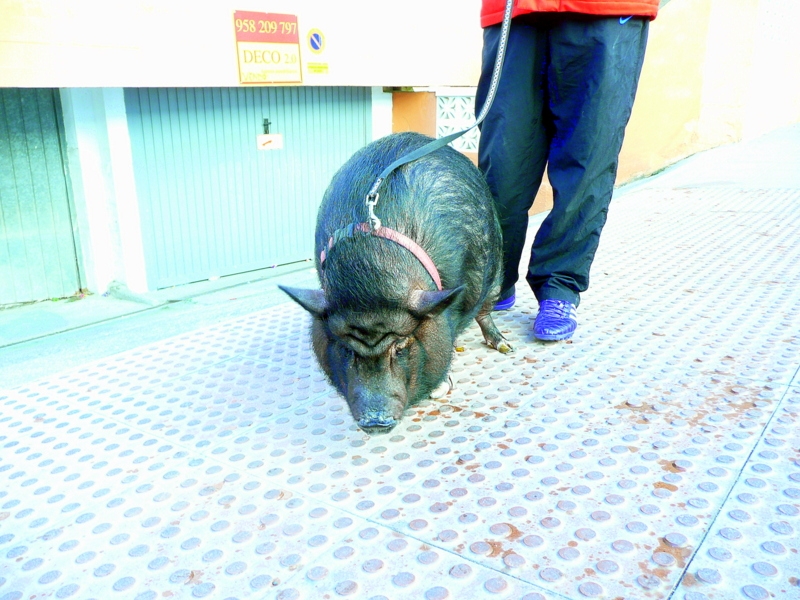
(564, 98)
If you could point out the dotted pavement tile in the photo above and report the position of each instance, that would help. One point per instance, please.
(753, 549)
(654, 455)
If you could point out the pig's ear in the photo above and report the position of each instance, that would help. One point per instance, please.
(312, 300)
(422, 303)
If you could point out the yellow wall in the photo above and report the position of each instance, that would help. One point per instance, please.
(414, 111)
(664, 122)
(716, 71)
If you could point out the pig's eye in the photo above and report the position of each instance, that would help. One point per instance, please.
(346, 351)
(401, 346)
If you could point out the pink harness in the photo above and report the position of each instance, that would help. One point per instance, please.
(389, 234)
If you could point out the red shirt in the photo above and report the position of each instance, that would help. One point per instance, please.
(492, 10)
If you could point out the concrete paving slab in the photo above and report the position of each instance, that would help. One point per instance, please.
(45, 338)
(35, 320)
(753, 545)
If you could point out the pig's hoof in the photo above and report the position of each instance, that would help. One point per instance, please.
(504, 347)
(442, 389)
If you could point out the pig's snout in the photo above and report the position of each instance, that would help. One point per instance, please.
(377, 422)
(376, 412)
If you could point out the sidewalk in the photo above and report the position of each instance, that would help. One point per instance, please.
(41, 339)
(187, 446)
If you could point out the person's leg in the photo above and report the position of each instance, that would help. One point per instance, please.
(513, 143)
(592, 75)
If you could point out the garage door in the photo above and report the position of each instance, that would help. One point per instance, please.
(37, 245)
(212, 203)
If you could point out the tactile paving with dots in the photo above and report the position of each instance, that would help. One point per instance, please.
(656, 452)
(754, 544)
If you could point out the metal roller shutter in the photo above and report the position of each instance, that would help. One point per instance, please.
(211, 203)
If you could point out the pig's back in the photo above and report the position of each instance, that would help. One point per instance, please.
(440, 201)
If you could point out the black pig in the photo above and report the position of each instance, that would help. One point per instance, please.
(382, 330)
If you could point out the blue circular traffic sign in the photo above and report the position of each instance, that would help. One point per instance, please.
(316, 41)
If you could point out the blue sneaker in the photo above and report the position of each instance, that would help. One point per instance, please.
(557, 320)
(507, 303)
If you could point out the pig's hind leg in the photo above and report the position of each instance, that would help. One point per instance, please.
(491, 334)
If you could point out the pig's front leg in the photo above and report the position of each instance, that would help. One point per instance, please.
(491, 334)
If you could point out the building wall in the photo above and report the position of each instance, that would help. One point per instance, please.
(180, 43)
(716, 71)
(101, 173)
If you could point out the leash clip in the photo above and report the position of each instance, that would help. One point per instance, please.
(372, 201)
(374, 221)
